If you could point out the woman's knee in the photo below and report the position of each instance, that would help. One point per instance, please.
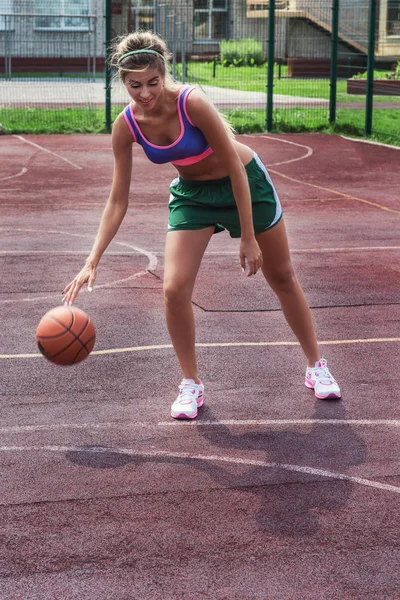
(176, 293)
(282, 279)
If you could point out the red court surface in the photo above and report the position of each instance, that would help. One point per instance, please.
(270, 494)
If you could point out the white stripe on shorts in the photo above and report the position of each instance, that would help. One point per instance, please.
(278, 212)
(173, 182)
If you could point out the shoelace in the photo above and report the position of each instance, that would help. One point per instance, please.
(324, 375)
(187, 391)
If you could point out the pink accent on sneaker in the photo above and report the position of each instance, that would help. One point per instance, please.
(183, 415)
(309, 383)
(318, 377)
(328, 397)
(190, 398)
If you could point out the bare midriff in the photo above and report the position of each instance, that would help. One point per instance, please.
(212, 167)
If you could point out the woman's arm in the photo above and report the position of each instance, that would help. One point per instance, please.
(204, 116)
(114, 211)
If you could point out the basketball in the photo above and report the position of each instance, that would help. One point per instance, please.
(65, 335)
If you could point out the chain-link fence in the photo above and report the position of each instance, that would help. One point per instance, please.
(52, 65)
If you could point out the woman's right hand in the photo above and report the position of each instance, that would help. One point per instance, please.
(87, 274)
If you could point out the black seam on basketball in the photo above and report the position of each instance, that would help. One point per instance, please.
(52, 337)
(66, 329)
(78, 353)
(71, 312)
(83, 344)
(77, 339)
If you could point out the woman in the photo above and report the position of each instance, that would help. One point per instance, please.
(222, 184)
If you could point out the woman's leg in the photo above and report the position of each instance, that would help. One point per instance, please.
(183, 253)
(278, 271)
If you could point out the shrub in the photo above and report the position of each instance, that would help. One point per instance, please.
(395, 74)
(240, 53)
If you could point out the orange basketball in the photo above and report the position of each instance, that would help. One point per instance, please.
(65, 335)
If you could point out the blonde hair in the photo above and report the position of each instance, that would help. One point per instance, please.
(158, 57)
(125, 60)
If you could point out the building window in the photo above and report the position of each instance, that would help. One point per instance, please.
(142, 15)
(393, 17)
(210, 19)
(6, 15)
(66, 15)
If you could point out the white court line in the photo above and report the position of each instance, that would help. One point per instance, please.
(223, 423)
(215, 345)
(152, 258)
(22, 172)
(313, 250)
(284, 422)
(62, 252)
(370, 142)
(210, 458)
(49, 151)
(309, 152)
(211, 252)
(342, 194)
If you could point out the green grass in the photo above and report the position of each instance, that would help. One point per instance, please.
(300, 119)
(386, 122)
(42, 121)
(254, 79)
(295, 120)
(54, 75)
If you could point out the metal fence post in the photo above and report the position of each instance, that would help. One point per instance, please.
(166, 24)
(173, 45)
(8, 46)
(183, 52)
(370, 67)
(95, 47)
(89, 54)
(334, 60)
(157, 15)
(107, 55)
(271, 59)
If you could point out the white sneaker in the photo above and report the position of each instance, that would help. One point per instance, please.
(190, 398)
(321, 380)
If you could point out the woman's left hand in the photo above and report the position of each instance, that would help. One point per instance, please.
(250, 256)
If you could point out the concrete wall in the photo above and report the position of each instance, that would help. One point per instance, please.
(294, 37)
(387, 45)
(25, 39)
(303, 40)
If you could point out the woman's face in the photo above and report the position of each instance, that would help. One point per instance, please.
(145, 87)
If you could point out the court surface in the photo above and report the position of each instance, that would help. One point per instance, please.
(270, 494)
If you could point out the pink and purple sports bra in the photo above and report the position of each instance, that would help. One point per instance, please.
(190, 147)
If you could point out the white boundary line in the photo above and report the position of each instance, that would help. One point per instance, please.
(210, 458)
(22, 172)
(285, 422)
(320, 187)
(49, 151)
(208, 252)
(309, 152)
(216, 345)
(370, 142)
(223, 423)
(152, 258)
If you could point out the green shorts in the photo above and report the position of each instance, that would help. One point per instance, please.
(200, 204)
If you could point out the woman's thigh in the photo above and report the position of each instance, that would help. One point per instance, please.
(184, 251)
(277, 265)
